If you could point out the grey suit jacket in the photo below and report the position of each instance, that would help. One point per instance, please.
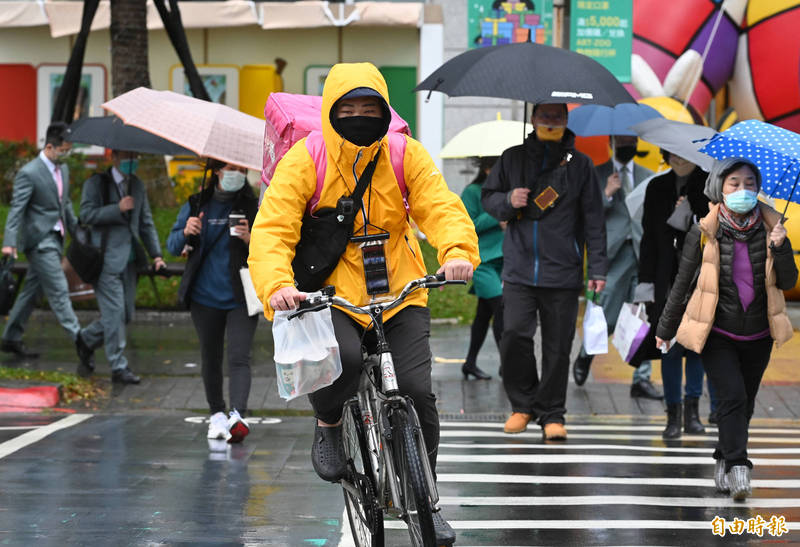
(619, 225)
(121, 228)
(35, 207)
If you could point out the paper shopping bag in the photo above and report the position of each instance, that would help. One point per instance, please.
(631, 330)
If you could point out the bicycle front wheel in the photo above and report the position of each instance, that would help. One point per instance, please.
(411, 477)
(363, 511)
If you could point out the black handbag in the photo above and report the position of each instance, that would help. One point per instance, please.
(8, 285)
(85, 258)
(324, 236)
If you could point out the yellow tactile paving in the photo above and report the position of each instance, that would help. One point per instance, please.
(784, 366)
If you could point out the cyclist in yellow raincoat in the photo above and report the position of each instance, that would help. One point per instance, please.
(355, 119)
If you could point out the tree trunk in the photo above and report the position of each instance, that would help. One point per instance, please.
(129, 63)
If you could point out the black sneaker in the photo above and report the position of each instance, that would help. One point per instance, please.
(445, 535)
(124, 376)
(85, 357)
(18, 348)
(327, 453)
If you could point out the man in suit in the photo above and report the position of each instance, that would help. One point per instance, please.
(39, 218)
(125, 219)
(618, 177)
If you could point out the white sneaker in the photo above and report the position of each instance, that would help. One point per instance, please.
(238, 427)
(218, 427)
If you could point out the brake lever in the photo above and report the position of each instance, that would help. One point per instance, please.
(303, 311)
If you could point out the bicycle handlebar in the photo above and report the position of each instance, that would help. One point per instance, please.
(326, 297)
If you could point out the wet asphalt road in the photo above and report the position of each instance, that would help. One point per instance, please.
(154, 480)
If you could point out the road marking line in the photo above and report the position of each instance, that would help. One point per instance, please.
(452, 434)
(603, 458)
(555, 479)
(575, 524)
(532, 446)
(18, 427)
(12, 445)
(666, 501)
(598, 427)
(347, 539)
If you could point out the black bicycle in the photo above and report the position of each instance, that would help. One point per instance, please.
(387, 463)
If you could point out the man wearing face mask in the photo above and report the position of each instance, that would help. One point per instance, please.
(38, 219)
(122, 221)
(549, 194)
(618, 177)
(355, 119)
(211, 287)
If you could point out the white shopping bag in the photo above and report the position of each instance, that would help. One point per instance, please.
(631, 330)
(254, 305)
(306, 353)
(595, 329)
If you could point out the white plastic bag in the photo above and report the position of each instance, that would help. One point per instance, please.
(631, 330)
(306, 353)
(595, 329)
(254, 305)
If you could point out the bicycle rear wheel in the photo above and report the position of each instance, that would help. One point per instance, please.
(363, 511)
(413, 486)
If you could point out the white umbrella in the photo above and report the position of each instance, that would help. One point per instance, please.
(485, 139)
(207, 129)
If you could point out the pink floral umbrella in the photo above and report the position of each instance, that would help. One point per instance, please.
(207, 129)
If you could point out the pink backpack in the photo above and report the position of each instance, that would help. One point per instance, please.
(291, 117)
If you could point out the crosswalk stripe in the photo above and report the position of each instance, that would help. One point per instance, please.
(602, 458)
(666, 501)
(605, 427)
(577, 525)
(496, 478)
(453, 434)
(622, 447)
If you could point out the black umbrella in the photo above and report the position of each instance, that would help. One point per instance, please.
(111, 132)
(529, 72)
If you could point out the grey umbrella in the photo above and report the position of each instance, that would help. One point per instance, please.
(111, 132)
(681, 139)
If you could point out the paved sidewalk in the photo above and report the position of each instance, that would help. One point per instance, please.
(163, 349)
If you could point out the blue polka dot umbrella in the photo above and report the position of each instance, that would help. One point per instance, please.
(774, 150)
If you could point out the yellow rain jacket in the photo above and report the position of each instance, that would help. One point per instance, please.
(437, 211)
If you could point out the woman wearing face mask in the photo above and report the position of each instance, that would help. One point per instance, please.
(212, 289)
(679, 190)
(737, 309)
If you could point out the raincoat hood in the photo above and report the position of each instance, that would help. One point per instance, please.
(343, 78)
(713, 189)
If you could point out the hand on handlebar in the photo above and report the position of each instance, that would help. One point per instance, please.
(456, 270)
(287, 298)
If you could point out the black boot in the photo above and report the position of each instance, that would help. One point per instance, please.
(673, 429)
(472, 368)
(691, 417)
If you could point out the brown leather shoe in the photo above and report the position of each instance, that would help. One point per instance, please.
(554, 432)
(517, 422)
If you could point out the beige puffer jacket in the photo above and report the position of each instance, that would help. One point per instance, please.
(701, 309)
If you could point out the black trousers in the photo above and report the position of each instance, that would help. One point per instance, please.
(557, 309)
(489, 309)
(211, 325)
(407, 334)
(735, 370)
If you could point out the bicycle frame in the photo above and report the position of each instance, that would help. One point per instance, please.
(378, 395)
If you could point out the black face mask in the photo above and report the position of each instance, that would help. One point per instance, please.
(361, 130)
(624, 154)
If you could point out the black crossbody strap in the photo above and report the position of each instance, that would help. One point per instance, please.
(363, 182)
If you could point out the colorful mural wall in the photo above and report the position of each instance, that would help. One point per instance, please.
(498, 22)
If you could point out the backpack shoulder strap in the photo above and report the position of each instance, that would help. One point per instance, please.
(315, 145)
(397, 153)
